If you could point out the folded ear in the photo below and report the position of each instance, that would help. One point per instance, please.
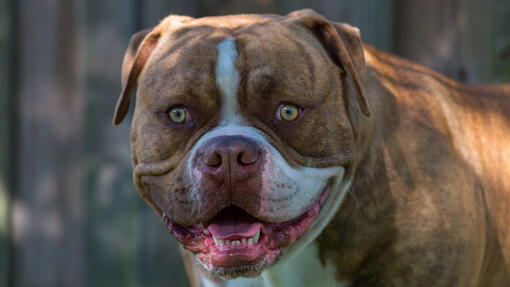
(140, 47)
(343, 43)
(352, 40)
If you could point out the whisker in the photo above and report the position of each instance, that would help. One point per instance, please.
(356, 203)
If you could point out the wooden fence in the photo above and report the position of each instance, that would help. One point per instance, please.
(69, 214)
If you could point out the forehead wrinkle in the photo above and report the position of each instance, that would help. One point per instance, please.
(307, 59)
(174, 74)
(183, 66)
(272, 69)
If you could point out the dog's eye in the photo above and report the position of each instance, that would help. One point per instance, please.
(288, 112)
(178, 115)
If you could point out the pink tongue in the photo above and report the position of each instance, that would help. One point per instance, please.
(232, 223)
(227, 231)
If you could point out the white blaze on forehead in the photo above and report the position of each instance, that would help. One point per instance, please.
(227, 80)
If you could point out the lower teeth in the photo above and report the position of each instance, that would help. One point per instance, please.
(252, 240)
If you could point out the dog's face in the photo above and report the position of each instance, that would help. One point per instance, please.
(243, 131)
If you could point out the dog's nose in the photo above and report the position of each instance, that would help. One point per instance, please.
(236, 155)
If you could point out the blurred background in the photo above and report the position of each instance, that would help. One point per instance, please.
(69, 213)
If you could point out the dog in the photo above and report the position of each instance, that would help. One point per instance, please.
(284, 151)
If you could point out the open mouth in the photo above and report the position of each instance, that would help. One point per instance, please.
(234, 243)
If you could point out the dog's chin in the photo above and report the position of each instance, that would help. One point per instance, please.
(234, 243)
(246, 270)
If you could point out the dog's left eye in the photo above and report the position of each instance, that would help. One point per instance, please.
(288, 112)
(178, 115)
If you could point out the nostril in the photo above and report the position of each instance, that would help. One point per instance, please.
(248, 157)
(212, 159)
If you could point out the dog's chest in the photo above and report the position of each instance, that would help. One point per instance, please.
(302, 269)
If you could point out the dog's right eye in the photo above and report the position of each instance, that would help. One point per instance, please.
(288, 112)
(178, 115)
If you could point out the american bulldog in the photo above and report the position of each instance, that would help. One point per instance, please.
(282, 151)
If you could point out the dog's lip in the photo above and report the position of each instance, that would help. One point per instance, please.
(274, 238)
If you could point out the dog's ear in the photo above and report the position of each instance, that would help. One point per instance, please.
(140, 47)
(343, 44)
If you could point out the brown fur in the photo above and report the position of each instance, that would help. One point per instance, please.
(431, 195)
(429, 158)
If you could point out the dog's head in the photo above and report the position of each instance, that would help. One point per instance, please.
(245, 130)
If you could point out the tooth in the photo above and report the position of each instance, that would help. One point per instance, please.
(250, 241)
(233, 242)
(220, 242)
(243, 240)
(256, 237)
(227, 242)
(238, 242)
(215, 240)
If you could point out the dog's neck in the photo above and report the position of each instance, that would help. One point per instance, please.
(363, 224)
